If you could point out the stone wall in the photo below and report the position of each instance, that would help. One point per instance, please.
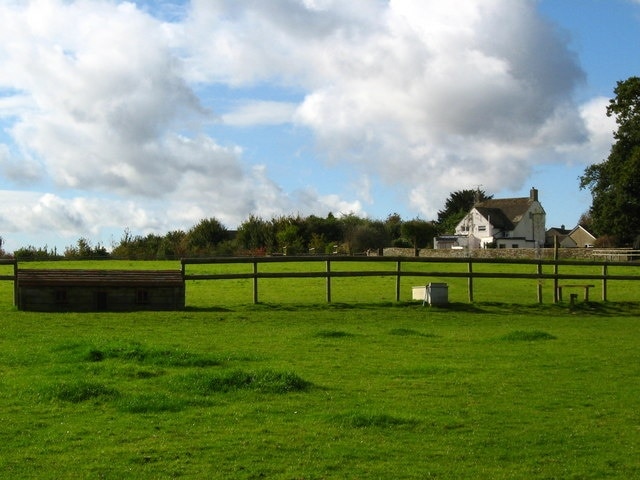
(514, 253)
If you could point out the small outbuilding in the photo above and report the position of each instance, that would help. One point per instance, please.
(56, 290)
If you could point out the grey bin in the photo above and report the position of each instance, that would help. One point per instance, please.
(437, 294)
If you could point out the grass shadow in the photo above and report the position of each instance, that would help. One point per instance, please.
(624, 309)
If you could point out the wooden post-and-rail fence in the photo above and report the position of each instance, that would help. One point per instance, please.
(328, 274)
(403, 269)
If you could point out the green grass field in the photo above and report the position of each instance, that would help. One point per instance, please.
(293, 388)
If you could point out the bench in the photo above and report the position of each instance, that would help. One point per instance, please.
(586, 290)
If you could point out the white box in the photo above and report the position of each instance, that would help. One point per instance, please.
(419, 292)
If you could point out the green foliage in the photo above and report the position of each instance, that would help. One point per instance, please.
(369, 236)
(457, 206)
(292, 235)
(420, 232)
(289, 238)
(32, 253)
(205, 236)
(138, 247)
(615, 182)
(84, 249)
(256, 234)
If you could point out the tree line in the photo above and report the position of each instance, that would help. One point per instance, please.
(286, 235)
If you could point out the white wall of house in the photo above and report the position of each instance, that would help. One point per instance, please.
(532, 226)
(477, 228)
(529, 231)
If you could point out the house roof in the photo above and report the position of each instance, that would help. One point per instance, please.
(504, 213)
(558, 231)
(497, 217)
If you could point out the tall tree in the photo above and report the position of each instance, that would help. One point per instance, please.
(457, 206)
(204, 236)
(256, 234)
(419, 232)
(615, 182)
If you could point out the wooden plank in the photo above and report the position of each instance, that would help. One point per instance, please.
(68, 277)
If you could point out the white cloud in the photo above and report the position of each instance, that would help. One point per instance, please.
(109, 104)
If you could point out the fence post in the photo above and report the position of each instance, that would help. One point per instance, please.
(555, 270)
(604, 282)
(470, 282)
(398, 268)
(16, 300)
(328, 281)
(539, 282)
(255, 282)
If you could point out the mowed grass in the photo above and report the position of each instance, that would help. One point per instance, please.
(293, 388)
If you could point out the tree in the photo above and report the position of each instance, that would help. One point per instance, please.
(615, 182)
(173, 245)
(83, 249)
(204, 236)
(457, 206)
(419, 232)
(393, 224)
(289, 239)
(256, 235)
(349, 224)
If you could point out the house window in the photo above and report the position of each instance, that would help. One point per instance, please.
(142, 296)
(60, 297)
(515, 245)
(502, 245)
(482, 228)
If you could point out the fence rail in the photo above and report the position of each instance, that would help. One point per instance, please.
(399, 272)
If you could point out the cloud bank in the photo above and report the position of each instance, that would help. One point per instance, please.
(109, 108)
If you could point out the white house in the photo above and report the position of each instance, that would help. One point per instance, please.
(507, 223)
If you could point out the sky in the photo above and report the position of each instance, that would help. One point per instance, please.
(149, 116)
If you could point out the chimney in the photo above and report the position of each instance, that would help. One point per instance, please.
(533, 195)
